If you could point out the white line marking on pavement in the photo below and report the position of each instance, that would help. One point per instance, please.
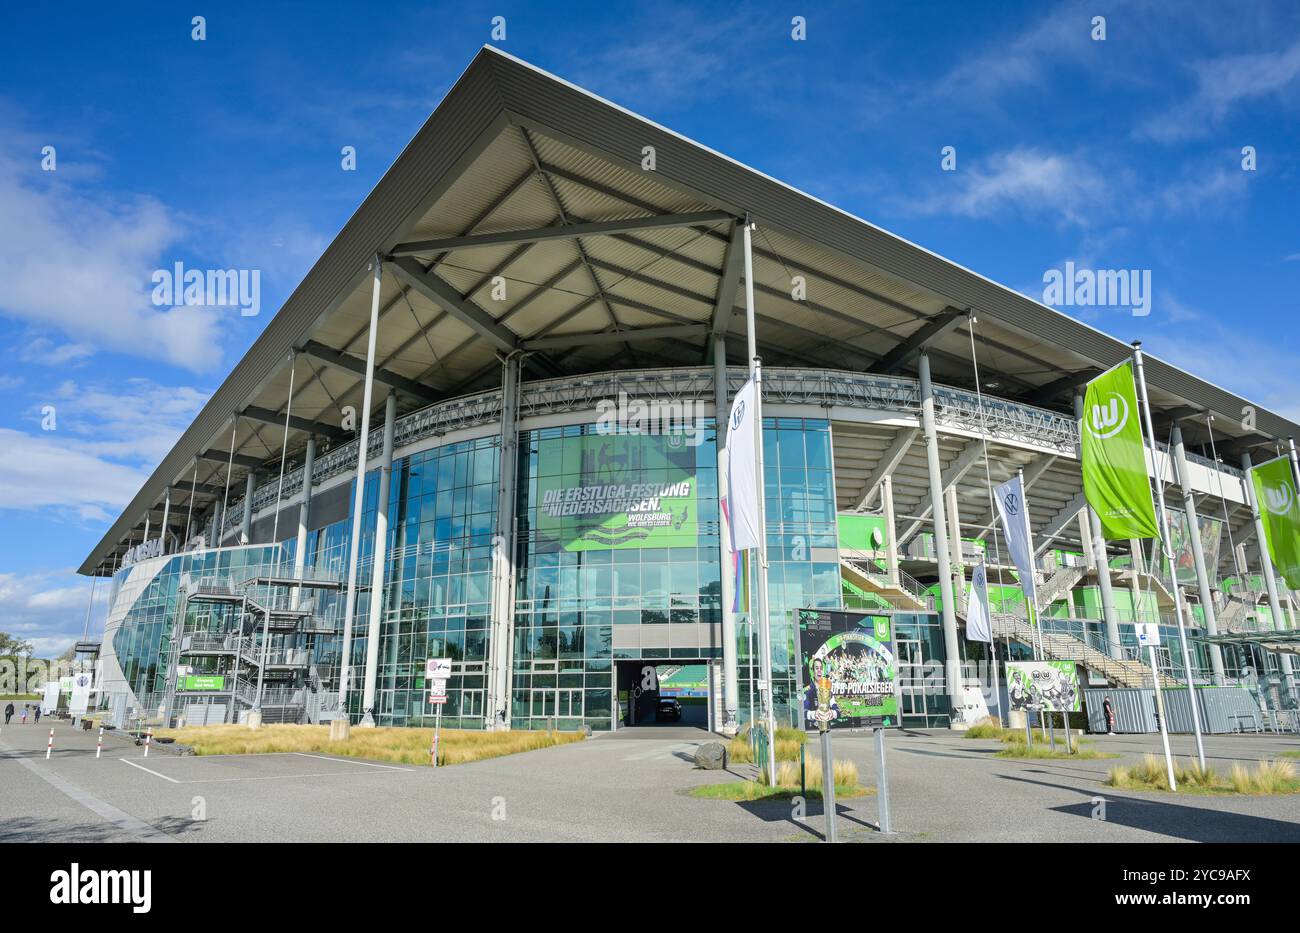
(109, 813)
(351, 761)
(127, 761)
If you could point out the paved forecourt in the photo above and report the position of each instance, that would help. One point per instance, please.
(621, 787)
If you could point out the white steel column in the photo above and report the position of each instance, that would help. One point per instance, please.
(760, 609)
(304, 512)
(1192, 700)
(1198, 554)
(162, 530)
(501, 627)
(358, 498)
(1101, 558)
(1266, 565)
(727, 582)
(379, 565)
(951, 647)
(954, 539)
(891, 529)
(246, 522)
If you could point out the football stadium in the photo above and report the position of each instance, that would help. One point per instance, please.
(489, 425)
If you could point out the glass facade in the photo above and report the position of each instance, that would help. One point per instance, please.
(593, 587)
(802, 552)
(632, 580)
(617, 563)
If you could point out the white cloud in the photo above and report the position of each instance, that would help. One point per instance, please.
(105, 444)
(78, 261)
(48, 611)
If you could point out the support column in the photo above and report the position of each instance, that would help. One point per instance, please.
(214, 531)
(246, 522)
(1266, 564)
(1198, 554)
(502, 625)
(1085, 541)
(162, 531)
(304, 515)
(951, 647)
(378, 566)
(1101, 560)
(358, 501)
(891, 529)
(730, 667)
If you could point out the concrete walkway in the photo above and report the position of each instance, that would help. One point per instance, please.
(608, 788)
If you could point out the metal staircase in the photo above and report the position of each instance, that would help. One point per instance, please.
(263, 643)
(1058, 646)
(1059, 584)
(862, 569)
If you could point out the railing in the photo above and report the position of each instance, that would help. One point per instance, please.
(954, 407)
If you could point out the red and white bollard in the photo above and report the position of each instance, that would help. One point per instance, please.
(99, 743)
(49, 746)
(148, 737)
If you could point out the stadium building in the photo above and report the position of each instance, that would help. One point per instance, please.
(520, 341)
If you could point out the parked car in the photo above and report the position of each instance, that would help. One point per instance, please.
(668, 709)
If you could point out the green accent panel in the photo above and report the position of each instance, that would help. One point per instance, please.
(862, 532)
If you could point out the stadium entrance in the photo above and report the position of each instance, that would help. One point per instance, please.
(662, 694)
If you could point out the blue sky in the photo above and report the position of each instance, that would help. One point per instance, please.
(1124, 153)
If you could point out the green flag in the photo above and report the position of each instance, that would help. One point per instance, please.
(1115, 480)
(1275, 496)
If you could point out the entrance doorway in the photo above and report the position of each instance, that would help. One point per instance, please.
(655, 693)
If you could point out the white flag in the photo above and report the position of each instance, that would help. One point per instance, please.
(978, 627)
(742, 470)
(1010, 499)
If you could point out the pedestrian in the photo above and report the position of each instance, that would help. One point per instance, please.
(24, 716)
(9, 713)
(1109, 712)
(37, 710)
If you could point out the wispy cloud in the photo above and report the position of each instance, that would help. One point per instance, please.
(1028, 180)
(1222, 85)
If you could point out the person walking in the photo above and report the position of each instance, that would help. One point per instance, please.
(37, 711)
(1109, 712)
(9, 713)
(24, 716)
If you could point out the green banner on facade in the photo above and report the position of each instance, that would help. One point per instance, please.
(1115, 479)
(1275, 495)
(611, 491)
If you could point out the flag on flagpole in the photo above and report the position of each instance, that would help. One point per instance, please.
(1115, 479)
(979, 626)
(743, 439)
(1279, 512)
(1010, 501)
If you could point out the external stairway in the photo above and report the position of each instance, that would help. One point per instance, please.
(863, 570)
(1058, 646)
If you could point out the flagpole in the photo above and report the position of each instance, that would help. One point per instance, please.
(1168, 553)
(765, 623)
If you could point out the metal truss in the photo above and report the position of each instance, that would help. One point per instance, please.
(955, 408)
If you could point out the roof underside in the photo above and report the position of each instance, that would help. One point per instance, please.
(514, 149)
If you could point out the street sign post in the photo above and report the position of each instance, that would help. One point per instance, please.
(436, 672)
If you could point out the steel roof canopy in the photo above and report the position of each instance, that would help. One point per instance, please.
(511, 151)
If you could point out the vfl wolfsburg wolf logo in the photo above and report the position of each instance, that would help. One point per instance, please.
(1279, 499)
(1108, 418)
